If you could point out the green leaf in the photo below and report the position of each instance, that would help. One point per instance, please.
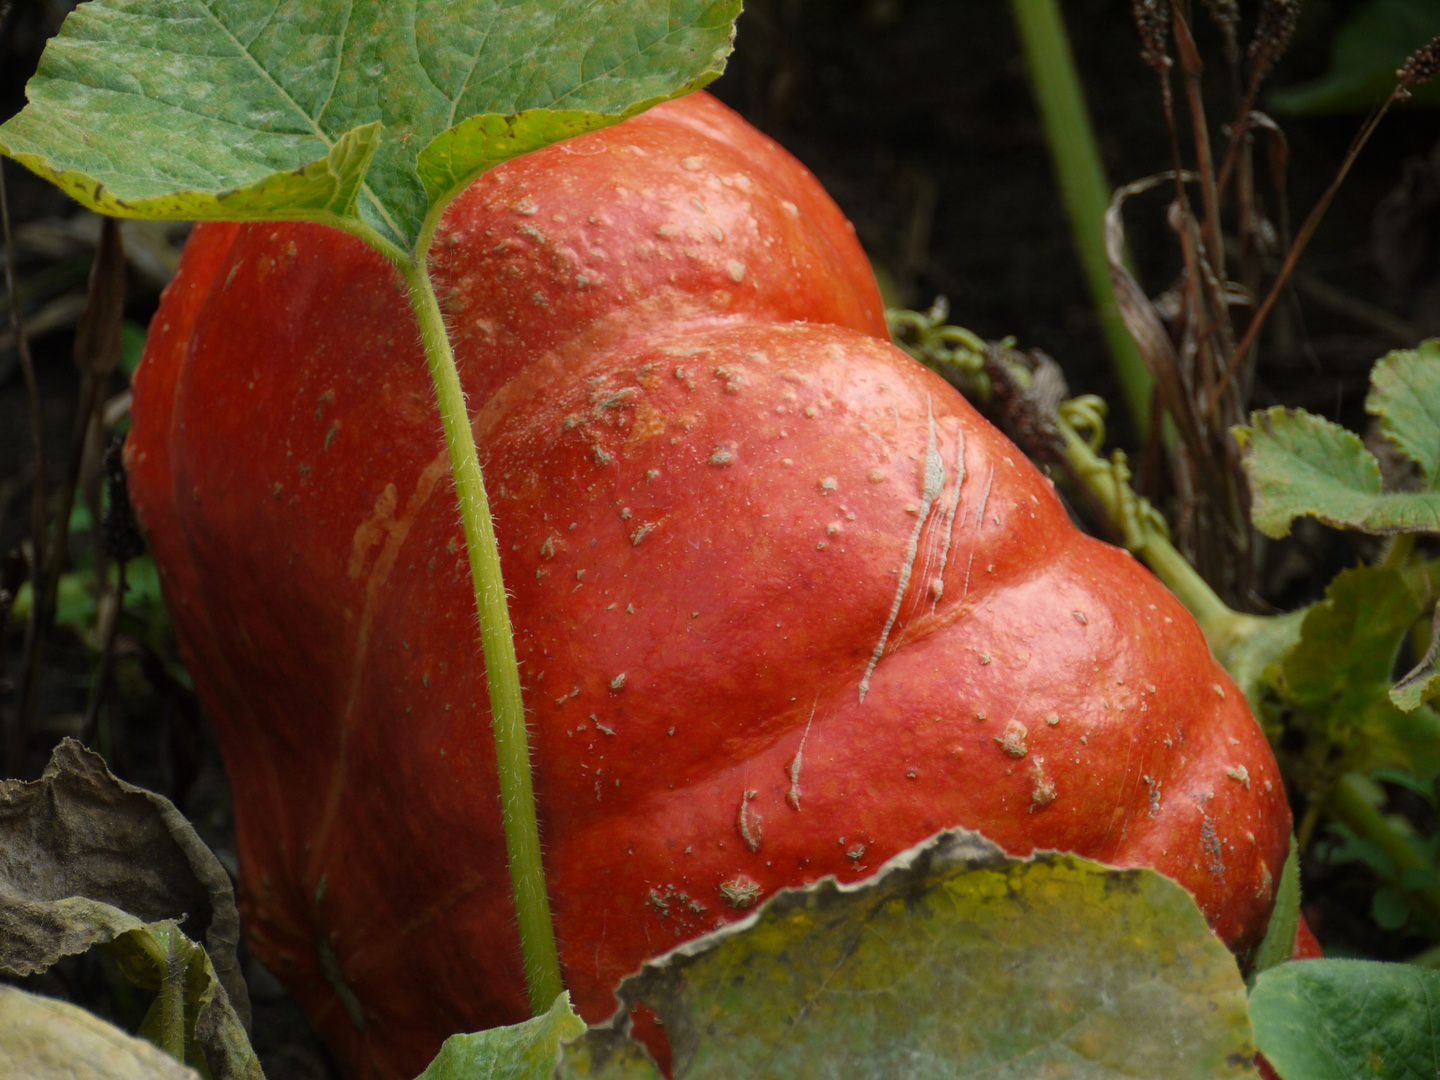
(1279, 943)
(1389, 908)
(1349, 640)
(608, 1053)
(1421, 683)
(1340, 1019)
(1343, 846)
(1415, 878)
(1338, 677)
(1405, 395)
(525, 1051)
(954, 960)
(1409, 781)
(1367, 50)
(458, 155)
(45, 1039)
(92, 861)
(1255, 654)
(366, 115)
(1300, 464)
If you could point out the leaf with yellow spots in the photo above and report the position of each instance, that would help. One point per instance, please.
(953, 960)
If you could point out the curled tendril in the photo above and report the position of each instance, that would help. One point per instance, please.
(960, 354)
(1086, 414)
(949, 350)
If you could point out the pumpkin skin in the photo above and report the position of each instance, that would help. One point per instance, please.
(784, 603)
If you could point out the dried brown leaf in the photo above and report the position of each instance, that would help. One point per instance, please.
(78, 841)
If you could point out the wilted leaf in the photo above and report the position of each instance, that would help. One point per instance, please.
(1339, 674)
(1152, 339)
(93, 861)
(954, 960)
(1368, 48)
(368, 112)
(607, 1053)
(1279, 943)
(191, 1016)
(525, 1051)
(78, 833)
(1405, 395)
(44, 1039)
(1324, 1019)
(1300, 464)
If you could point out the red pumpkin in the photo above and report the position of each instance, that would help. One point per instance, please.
(784, 604)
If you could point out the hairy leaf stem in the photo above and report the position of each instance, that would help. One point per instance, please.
(168, 1011)
(502, 673)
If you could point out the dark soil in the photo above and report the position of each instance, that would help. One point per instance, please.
(917, 116)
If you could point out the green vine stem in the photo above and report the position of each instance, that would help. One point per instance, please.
(1083, 186)
(502, 673)
(1146, 535)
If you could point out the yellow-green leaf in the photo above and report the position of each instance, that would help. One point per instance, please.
(44, 1039)
(955, 960)
(524, 1051)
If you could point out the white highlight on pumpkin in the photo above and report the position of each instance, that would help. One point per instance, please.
(933, 484)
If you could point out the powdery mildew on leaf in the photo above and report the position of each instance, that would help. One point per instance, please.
(953, 960)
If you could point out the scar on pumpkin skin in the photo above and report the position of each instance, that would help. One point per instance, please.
(933, 479)
(373, 530)
(979, 524)
(941, 537)
(793, 795)
(748, 824)
(1043, 793)
(939, 588)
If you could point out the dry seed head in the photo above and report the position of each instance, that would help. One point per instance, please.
(1272, 35)
(1152, 19)
(1225, 14)
(1422, 65)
